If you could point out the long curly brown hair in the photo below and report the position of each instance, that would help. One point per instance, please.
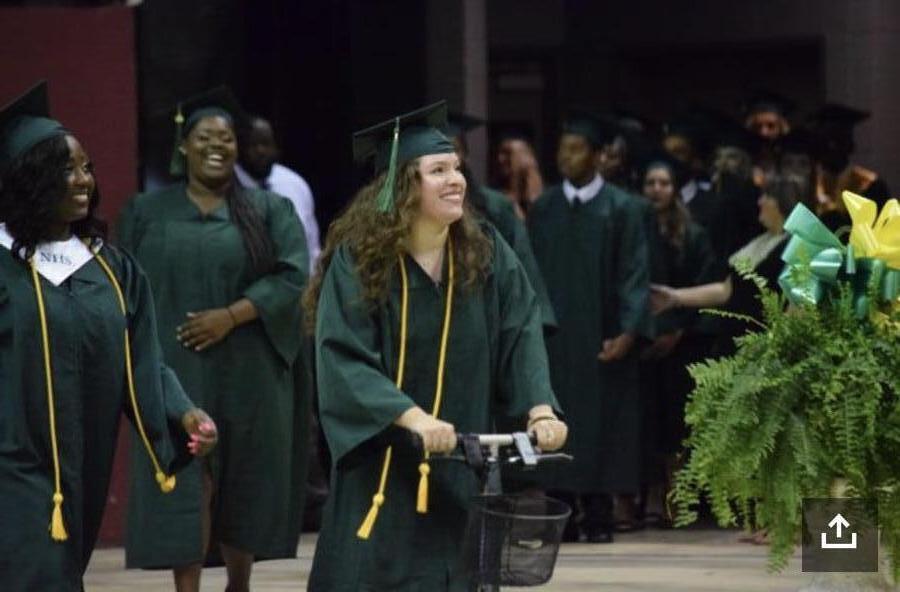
(376, 238)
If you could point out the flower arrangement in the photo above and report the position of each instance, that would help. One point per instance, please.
(815, 396)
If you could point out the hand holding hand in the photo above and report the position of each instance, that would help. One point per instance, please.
(662, 298)
(616, 348)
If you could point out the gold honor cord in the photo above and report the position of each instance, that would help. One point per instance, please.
(365, 529)
(57, 526)
(166, 483)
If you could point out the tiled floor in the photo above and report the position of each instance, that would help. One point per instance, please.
(651, 561)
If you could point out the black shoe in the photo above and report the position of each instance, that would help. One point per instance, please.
(602, 534)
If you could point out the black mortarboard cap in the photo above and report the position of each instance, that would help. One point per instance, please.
(462, 123)
(218, 101)
(764, 101)
(597, 129)
(393, 143)
(25, 122)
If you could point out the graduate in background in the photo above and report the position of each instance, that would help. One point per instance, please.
(681, 255)
(766, 115)
(518, 174)
(762, 254)
(637, 137)
(426, 321)
(258, 169)
(732, 176)
(833, 126)
(688, 139)
(797, 153)
(227, 266)
(590, 242)
(497, 209)
(70, 305)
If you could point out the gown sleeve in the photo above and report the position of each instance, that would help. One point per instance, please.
(358, 399)
(632, 272)
(523, 370)
(276, 295)
(161, 398)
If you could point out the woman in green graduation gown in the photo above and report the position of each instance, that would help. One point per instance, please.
(78, 346)
(227, 266)
(680, 255)
(424, 320)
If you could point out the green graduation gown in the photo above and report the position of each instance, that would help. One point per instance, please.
(246, 382)
(496, 208)
(496, 360)
(594, 258)
(86, 329)
(666, 382)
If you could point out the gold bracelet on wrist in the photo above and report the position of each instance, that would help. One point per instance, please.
(231, 314)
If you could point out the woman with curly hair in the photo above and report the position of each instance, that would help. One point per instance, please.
(424, 320)
(78, 347)
(228, 266)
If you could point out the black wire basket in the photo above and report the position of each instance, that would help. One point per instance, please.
(512, 540)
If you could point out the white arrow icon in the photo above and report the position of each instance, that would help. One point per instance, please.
(839, 523)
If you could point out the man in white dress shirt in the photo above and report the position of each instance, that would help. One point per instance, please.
(258, 169)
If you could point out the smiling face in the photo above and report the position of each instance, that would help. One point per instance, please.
(210, 150)
(442, 189)
(80, 184)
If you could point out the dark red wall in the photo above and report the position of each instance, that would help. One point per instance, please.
(88, 57)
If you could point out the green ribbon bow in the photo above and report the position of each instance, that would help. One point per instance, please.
(816, 262)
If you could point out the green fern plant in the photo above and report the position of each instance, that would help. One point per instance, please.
(811, 399)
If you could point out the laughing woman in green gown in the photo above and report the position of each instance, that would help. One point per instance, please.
(69, 306)
(227, 266)
(424, 320)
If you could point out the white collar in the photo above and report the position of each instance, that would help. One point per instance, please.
(585, 193)
(55, 260)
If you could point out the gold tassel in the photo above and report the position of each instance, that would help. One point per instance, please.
(166, 484)
(422, 497)
(57, 527)
(365, 529)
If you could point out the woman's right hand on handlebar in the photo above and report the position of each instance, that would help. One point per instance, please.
(437, 436)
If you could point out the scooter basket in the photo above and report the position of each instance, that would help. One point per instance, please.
(512, 540)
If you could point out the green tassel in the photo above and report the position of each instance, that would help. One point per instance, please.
(386, 195)
(176, 163)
